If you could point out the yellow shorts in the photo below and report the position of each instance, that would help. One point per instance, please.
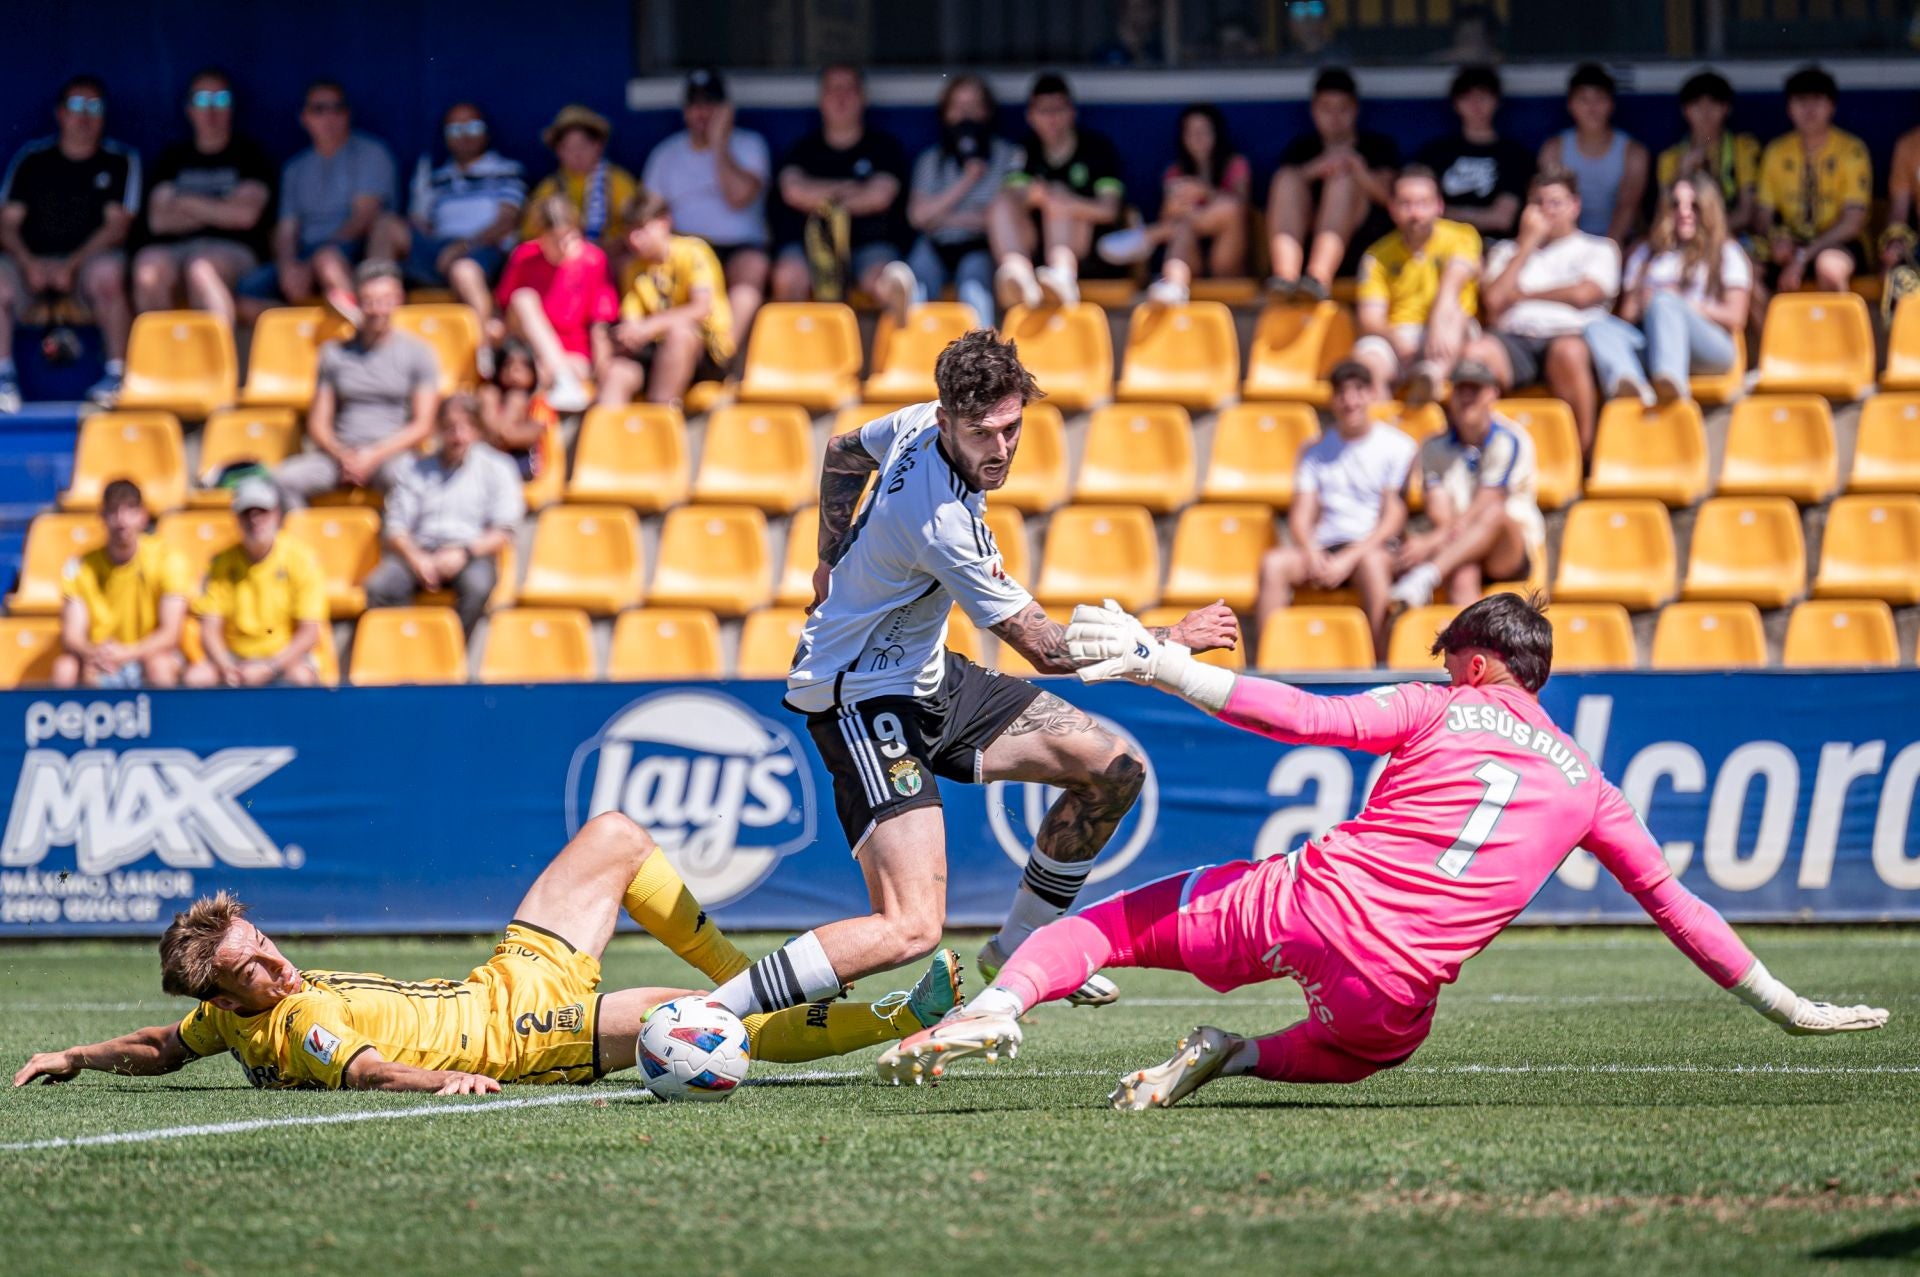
(545, 1007)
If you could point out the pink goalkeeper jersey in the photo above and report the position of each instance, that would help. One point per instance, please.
(1482, 799)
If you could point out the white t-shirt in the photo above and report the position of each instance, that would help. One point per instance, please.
(1504, 461)
(1350, 476)
(1663, 273)
(689, 181)
(1569, 260)
(920, 544)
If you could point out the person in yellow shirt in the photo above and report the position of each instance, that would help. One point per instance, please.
(1731, 160)
(533, 1012)
(598, 189)
(264, 604)
(123, 604)
(1815, 186)
(676, 324)
(1418, 292)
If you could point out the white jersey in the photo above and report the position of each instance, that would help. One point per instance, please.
(919, 544)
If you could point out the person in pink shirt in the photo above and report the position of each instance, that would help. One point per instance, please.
(1482, 797)
(558, 297)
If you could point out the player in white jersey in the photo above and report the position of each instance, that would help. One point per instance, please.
(890, 709)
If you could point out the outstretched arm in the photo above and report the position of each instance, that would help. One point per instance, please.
(143, 1053)
(1043, 640)
(368, 1071)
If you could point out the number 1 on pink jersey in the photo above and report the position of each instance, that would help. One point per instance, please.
(1500, 781)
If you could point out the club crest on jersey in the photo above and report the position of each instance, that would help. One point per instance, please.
(905, 776)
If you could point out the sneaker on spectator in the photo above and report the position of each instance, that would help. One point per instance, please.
(1281, 288)
(9, 392)
(1307, 288)
(569, 396)
(1060, 288)
(102, 392)
(1168, 292)
(1014, 284)
(896, 290)
(1666, 390)
(1423, 383)
(1124, 247)
(1416, 588)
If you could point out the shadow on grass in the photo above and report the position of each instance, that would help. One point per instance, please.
(1888, 1243)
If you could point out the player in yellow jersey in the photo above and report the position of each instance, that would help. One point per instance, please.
(531, 1013)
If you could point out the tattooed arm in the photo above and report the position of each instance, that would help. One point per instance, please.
(843, 476)
(1039, 638)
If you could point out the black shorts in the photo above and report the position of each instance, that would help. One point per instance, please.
(1525, 355)
(1770, 269)
(706, 368)
(884, 752)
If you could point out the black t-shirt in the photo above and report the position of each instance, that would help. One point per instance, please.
(66, 200)
(216, 177)
(876, 152)
(1092, 170)
(1475, 174)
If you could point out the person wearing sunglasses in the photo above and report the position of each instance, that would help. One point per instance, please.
(462, 216)
(66, 204)
(206, 209)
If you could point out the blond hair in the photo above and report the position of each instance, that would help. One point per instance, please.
(187, 950)
(1704, 251)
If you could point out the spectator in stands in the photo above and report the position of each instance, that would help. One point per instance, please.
(1731, 160)
(1310, 37)
(714, 179)
(514, 415)
(598, 189)
(1483, 176)
(838, 223)
(1903, 176)
(448, 519)
(122, 604)
(330, 196)
(1476, 37)
(1477, 483)
(373, 399)
(1348, 509)
(954, 184)
(1417, 296)
(1329, 198)
(674, 327)
(1136, 37)
(1815, 185)
(1610, 166)
(462, 215)
(66, 205)
(1685, 295)
(265, 601)
(558, 297)
(1063, 193)
(206, 210)
(1203, 211)
(1540, 291)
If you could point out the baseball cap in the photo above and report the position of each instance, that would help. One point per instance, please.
(575, 116)
(255, 493)
(705, 85)
(1471, 372)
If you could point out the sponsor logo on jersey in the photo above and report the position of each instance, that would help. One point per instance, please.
(906, 778)
(320, 1044)
(1028, 801)
(725, 792)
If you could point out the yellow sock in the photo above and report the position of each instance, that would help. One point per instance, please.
(820, 1029)
(660, 902)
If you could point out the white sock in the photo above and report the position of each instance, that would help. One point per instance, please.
(1027, 915)
(796, 972)
(996, 1001)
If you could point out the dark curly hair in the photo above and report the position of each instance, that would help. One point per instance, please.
(977, 371)
(1510, 627)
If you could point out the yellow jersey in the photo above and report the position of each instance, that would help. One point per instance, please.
(691, 263)
(1808, 193)
(1735, 167)
(261, 603)
(1409, 282)
(123, 599)
(620, 189)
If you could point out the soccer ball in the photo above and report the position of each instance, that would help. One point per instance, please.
(693, 1048)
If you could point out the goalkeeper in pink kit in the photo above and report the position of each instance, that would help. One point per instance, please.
(1481, 800)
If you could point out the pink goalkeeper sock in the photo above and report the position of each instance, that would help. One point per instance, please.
(1299, 1055)
(1057, 959)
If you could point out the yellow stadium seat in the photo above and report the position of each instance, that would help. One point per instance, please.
(1256, 449)
(198, 535)
(538, 645)
(903, 356)
(805, 353)
(453, 331)
(1650, 452)
(408, 645)
(1841, 632)
(1616, 552)
(180, 361)
(767, 642)
(1903, 347)
(1781, 445)
(1009, 661)
(1871, 550)
(284, 355)
(1316, 638)
(665, 642)
(1069, 351)
(1037, 482)
(1711, 389)
(802, 556)
(346, 539)
(1556, 446)
(1817, 344)
(349, 498)
(52, 540)
(1138, 454)
(326, 657)
(962, 637)
(1591, 636)
(1705, 636)
(1294, 348)
(1009, 530)
(1216, 554)
(714, 556)
(1100, 551)
(1748, 549)
(705, 396)
(239, 436)
(1418, 424)
(1410, 644)
(585, 556)
(28, 647)
(633, 456)
(143, 446)
(1886, 450)
(1188, 355)
(759, 455)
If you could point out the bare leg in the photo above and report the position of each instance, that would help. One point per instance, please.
(162, 669)
(1373, 577)
(1568, 372)
(746, 285)
(155, 279)
(210, 288)
(621, 383)
(791, 282)
(331, 273)
(531, 319)
(578, 895)
(1281, 569)
(904, 860)
(66, 670)
(1223, 221)
(1343, 206)
(1833, 270)
(1100, 775)
(673, 363)
(1010, 226)
(470, 286)
(1289, 216)
(106, 294)
(391, 238)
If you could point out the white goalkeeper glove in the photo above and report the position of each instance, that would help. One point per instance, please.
(1800, 1016)
(1110, 643)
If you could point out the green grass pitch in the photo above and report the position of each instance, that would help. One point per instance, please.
(1588, 1103)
